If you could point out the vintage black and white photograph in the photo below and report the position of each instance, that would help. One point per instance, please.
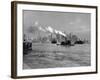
(56, 39)
(53, 39)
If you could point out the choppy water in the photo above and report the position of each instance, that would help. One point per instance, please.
(45, 55)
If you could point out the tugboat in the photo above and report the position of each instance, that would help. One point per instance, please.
(27, 46)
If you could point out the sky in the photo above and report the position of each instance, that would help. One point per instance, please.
(64, 21)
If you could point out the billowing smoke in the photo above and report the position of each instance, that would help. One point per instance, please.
(40, 28)
(51, 30)
(59, 32)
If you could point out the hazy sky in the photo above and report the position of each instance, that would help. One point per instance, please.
(64, 21)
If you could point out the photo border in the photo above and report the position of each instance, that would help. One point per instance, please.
(14, 37)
